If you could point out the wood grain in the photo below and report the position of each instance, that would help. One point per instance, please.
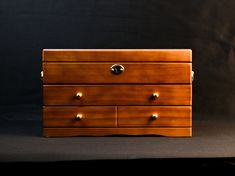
(59, 132)
(117, 104)
(168, 116)
(58, 73)
(91, 116)
(117, 95)
(165, 55)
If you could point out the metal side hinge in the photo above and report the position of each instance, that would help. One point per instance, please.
(192, 76)
(41, 75)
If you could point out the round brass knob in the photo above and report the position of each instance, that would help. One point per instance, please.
(79, 116)
(155, 95)
(154, 116)
(117, 69)
(79, 95)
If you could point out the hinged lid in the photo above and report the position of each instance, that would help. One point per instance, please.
(108, 55)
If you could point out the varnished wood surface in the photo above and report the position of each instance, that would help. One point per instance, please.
(117, 95)
(100, 73)
(87, 71)
(165, 55)
(60, 132)
(168, 116)
(91, 116)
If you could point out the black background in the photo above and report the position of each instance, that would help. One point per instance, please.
(205, 26)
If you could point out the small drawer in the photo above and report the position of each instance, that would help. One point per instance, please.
(79, 116)
(154, 116)
(118, 95)
(96, 72)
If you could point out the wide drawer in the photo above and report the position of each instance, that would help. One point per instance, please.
(79, 116)
(118, 95)
(154, 116)
(96, 72)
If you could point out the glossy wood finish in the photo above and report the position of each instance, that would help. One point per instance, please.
(92, 116)
(100, 73)
(118, 95)
(80, 81)
(174, 132)
(168, 116)
(80, 55)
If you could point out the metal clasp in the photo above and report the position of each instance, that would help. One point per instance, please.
(117, 69)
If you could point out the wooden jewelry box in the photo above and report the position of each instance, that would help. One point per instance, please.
(99, 92)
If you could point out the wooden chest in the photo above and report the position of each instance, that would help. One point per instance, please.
(99, 92)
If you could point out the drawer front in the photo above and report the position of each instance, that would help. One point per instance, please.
(102, 73)
(154, 116)
(79, 116)
(118, 95)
